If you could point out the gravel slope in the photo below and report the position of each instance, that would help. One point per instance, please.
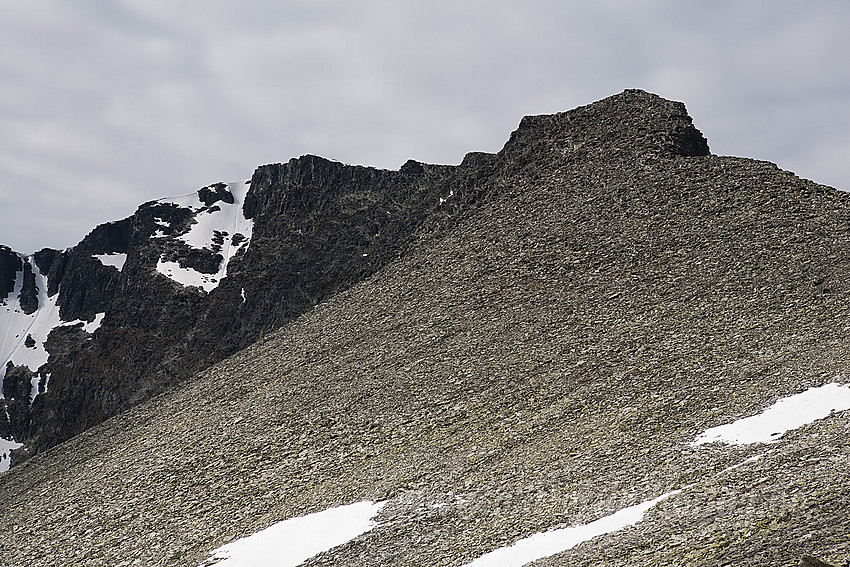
(543, 361)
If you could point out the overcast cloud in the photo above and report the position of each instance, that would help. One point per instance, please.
(107, 104)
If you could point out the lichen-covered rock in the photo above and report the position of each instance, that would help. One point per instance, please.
(809, 561)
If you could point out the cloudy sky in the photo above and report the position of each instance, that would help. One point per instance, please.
(106, 104)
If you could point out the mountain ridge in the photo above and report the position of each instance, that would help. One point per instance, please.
(543, 357)
(155, 335)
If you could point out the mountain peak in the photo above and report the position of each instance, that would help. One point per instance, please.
(633, 122)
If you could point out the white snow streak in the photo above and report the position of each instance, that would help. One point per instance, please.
(786, 414)
(34, 382)
(544, 544)
(293, 541)
(115, 260)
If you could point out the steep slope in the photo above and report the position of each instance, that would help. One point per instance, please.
(544, 360)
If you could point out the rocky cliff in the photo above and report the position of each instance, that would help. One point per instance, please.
(185, 282)
(526, 342)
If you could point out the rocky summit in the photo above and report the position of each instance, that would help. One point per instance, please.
(602, 345)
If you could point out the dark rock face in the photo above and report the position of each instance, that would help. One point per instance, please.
(214, 193)
(631, 123)
(10, 265)
(319, 227)
(331, 226)
(16, 397)
(29, 292)
(52, 263)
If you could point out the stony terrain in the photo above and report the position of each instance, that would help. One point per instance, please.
(538, 358)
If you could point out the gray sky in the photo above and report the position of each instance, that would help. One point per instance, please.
(107, 104)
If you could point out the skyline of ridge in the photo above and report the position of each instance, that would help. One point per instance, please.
(108, 106)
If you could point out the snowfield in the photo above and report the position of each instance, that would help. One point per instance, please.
(223, 219)
(16, 326)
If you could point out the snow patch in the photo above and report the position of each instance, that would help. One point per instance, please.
(34, 381)
(783, 416)
(91, 327)
(6, 447)
(548, 543)
(16, 326)
(293, 541)
(222, 229)
(186, 276)
(115, 260)
(88, 326)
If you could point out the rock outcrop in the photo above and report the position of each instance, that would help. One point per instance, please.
(318, 227)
